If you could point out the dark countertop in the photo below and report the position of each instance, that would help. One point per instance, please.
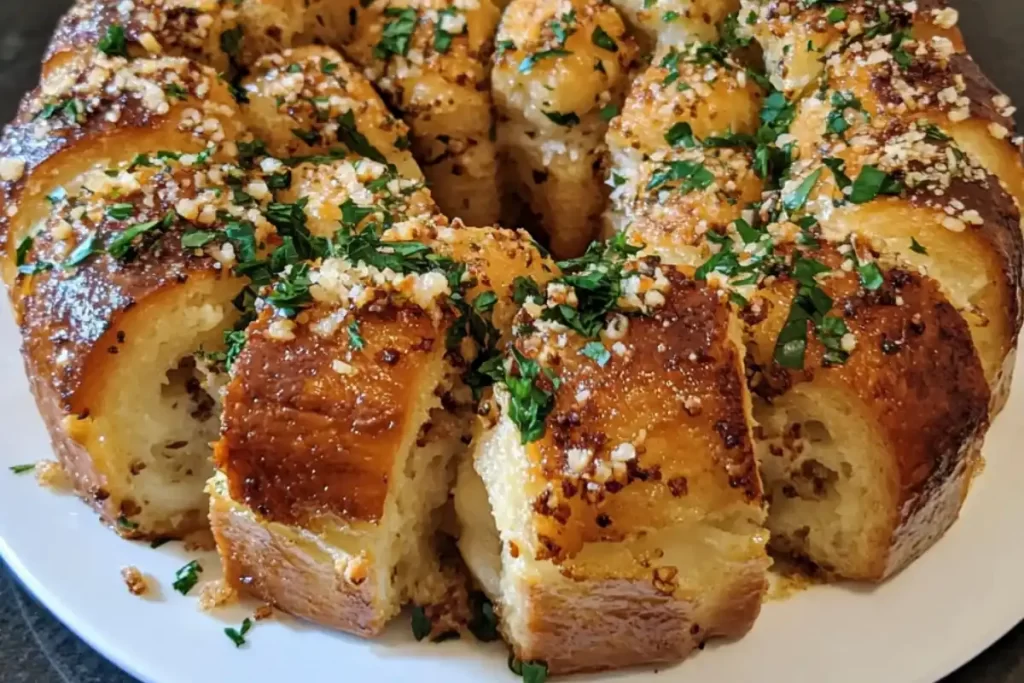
(36, 648)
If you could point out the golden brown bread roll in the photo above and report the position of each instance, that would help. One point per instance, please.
(687, 98)
(311, 102)
(617, 462)
(559, 76)
(430, 60)
(865, 461)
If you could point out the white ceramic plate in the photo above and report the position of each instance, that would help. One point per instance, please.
(944, 609)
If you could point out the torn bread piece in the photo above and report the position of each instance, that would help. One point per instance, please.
(344, 412)
(119, 294)
(612, 507)
(868, 442)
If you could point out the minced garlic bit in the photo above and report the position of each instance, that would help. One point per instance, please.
(52, 475)
(353, 570)
(216, 594)
(11, 169)
(281, 329)
(134, 580)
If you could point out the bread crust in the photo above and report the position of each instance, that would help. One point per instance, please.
(570, 631)
(297, 577)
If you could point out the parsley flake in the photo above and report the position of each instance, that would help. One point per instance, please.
(596, 352)
(113, 42)
(187, 577)
(355, 339)
(394, 39)
(237, 636)
(604, 41)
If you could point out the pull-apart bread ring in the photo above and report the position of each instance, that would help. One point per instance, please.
(250, 300)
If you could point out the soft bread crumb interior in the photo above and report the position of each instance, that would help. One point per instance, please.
(154, 422)
(825, 480)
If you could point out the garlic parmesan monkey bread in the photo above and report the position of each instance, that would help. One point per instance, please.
(557, 321)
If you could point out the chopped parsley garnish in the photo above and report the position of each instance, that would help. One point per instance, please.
(567, 119)
(731, 39)
(483, 623)
(870, 275)
(932, 132)
(126, 524)
(564, 26)
(810, 305)
(394, 39)
(350, 136)
(917, 247)
(291, 291)
(421, 626)
(901, 56)
(795, 200)
(524, 287)
(838, 168)
(355, 340)
(82, 251)
(604, 41)
(249, 151)
(836, 122)
(24, 247)
(872, 182)
(442, 38)
(113, 42)
(771, 162)
(352, 214)
(503, 46)
(237, 636)
(122, 247)
(680, 135)
(310, 137)
(532, 672)
(175, 91)
(22, 469)
(194, 239)
(526, 65)
(231, 42)
(57, 196)
(327, 67)
(187, 577)
(234, 341)
(120, 212)
(596, 276)
(669, 17)
(596, 352)
(691, 175)
(609, 112)
(532, 395)
(835, 15)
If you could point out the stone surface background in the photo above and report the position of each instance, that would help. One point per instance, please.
(36, 648)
